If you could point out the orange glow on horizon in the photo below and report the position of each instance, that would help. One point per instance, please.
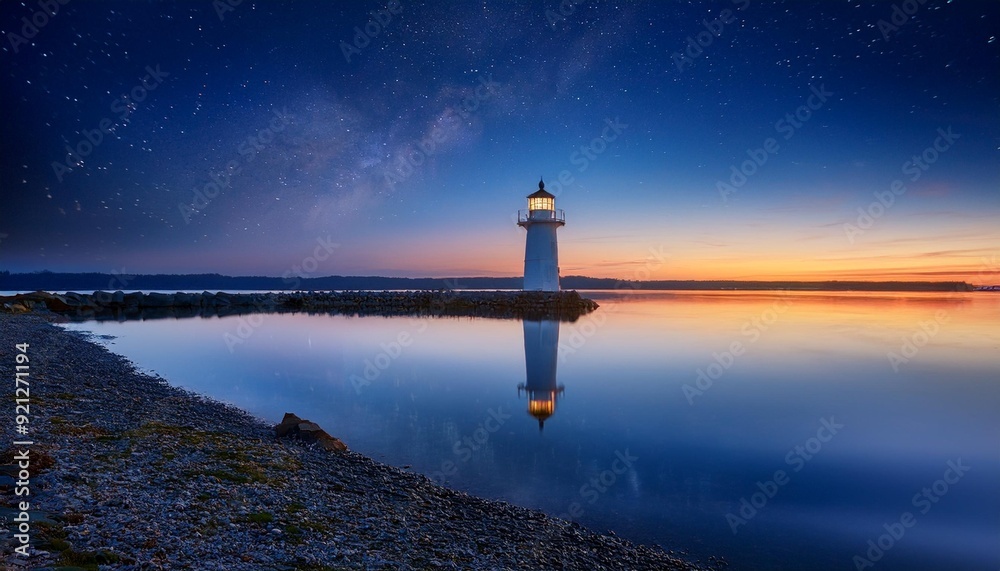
(683, 252)
(977, 272)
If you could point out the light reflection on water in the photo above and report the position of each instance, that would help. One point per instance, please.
(625, 445)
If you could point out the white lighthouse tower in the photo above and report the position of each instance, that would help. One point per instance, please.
(541, 251)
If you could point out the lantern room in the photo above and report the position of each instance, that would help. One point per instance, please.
(541, 199)
(541, 207)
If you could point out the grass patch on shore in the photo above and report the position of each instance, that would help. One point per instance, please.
(235, 473)
(237, 459)
(63, 427)
(236, 466)
(40, 459)
(116, 449)
(221, 475)
(229, 455)
(156, 428)
(240, 472)
(315, 526)
(89, 560)
(52, 538)
(261, 517)
(302, 566)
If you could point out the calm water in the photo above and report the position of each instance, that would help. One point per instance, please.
(802, 411)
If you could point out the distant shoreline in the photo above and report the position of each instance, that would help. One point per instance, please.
(51, 281)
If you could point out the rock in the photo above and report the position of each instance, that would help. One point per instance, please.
(157, 300)
(186, 300)
(100, 298)
(16, 307)
(329, 443)
(56, 303)
(309, 432)
(307, 426)
(72, 298)
(288, 422)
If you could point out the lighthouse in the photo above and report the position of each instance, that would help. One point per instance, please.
(541, 251)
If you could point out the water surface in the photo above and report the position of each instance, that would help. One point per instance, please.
(828, 413)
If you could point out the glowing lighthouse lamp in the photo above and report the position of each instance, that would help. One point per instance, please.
(541, 251)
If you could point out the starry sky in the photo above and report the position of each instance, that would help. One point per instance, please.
(730, 139)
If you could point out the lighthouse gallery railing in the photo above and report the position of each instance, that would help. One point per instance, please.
(541, 215)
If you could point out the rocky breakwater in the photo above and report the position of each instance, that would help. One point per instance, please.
(118, 305)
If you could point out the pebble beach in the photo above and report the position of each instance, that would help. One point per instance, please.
(129, 472)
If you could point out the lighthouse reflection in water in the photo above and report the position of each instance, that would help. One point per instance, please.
(541, 353)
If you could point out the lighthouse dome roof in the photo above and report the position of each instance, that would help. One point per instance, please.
(541, 192)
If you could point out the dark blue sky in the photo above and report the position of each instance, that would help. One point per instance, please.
(413, 152)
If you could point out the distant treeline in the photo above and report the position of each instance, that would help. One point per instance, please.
(51, 281)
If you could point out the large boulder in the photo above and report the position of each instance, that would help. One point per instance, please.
(291, 426)
(17, 307)
(157, 300)
(101, 298)
(186, 300)
(133, 299)
(56, 302)
(73, 299)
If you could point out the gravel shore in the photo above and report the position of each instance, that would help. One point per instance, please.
(128, 472)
